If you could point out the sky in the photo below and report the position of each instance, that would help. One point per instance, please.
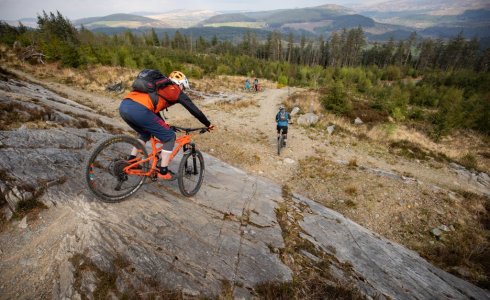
(76, 9)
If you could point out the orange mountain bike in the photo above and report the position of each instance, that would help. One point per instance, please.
(112, 178)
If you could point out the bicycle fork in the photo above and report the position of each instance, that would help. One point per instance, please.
(192, 148)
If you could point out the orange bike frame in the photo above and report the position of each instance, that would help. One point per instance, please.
(156, 147)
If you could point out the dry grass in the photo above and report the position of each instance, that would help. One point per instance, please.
(229, 146)
(352, 164)
(235, 105)
(412, 150)
(466, 251)
(469, 161)
(351, 190)
(306, 100)
(222, 83)
(14, 114)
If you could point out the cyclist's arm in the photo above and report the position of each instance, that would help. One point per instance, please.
(192, 108)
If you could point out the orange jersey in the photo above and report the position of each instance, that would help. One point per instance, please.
(166, 97)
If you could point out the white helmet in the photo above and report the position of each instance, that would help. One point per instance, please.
(179, 78)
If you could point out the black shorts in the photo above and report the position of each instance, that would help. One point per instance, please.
(284, 129)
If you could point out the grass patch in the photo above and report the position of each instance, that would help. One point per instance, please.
(13, 114)
(352, 164)
(351, 203)
(465, 251)
(25, 206)
(351, 191)
(407, 149)
(469, 161)
(364, 111)
(411, 150)
(234, 105)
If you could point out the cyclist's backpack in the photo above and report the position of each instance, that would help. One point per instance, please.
(150, 81)
(283, 116)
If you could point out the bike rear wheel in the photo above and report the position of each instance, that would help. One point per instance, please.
(280, 143)
(191, 173)
(104, 168)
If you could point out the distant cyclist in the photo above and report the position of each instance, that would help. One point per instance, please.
(247, 85)
(282, 119)
(256, 84)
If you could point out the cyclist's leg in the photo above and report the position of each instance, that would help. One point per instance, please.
(285, 134)
(278, 131)
(157, 127)
(131, 112)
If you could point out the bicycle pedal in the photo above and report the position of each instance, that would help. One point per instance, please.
(154, 176)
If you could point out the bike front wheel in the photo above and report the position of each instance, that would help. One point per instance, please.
(191, 173)
(104, 168)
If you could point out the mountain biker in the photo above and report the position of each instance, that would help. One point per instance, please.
(138, 111)
(282, 119)
(256, 84)
(247, 85)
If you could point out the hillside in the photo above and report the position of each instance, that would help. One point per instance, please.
(277, 18)
(242, 235)
(439, 19)
(181, 18)
(428, 7)
(119, 20)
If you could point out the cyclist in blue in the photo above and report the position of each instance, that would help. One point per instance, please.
(247, 85)
(282, 119)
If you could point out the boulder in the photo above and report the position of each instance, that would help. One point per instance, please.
(358, 121)
(308, 119)
(116, 87)
(330, 129)
(294, 111)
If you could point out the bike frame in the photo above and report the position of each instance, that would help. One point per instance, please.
(182, 142)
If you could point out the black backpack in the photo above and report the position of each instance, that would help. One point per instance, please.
(150, 81)
(283, 116)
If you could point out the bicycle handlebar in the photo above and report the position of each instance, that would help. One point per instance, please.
(187, 130)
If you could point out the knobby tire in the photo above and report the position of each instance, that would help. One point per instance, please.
(191, 163)
(118, 156)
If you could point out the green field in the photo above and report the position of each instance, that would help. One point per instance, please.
(257, 25)
(128, 24)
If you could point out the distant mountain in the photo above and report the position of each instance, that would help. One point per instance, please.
(430, 7)
(182, 18)
(322, 20)
(120, 20)
(427, 13)
(281, 17)
(29, 22)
